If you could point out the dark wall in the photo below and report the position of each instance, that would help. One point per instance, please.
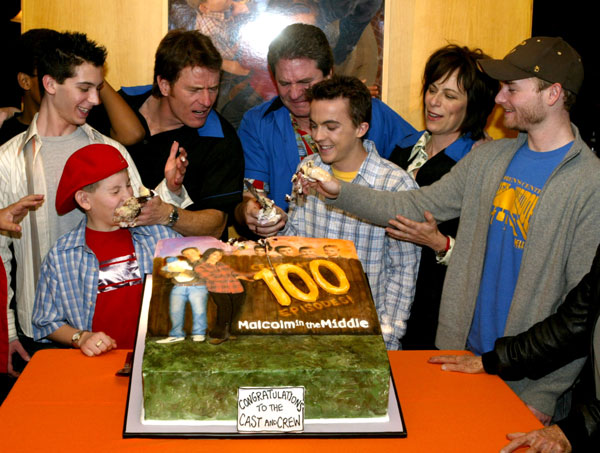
(9, 33)
(578, 23)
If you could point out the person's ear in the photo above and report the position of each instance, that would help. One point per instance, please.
(362, 129)
(164, 86)
(83, 199)
(328, 76)
(554, 91)
(24, 81)
(49, 84)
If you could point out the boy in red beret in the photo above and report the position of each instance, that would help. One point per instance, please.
(90, 287)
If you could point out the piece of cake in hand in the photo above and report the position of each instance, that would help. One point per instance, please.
(312, 173)
(268, 214)
(306, 172)
(126, 214)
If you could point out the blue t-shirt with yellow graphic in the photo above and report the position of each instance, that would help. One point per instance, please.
(511, 212)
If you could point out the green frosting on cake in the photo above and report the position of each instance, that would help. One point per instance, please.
(344, 375)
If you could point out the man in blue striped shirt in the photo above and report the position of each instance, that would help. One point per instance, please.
(340, 111)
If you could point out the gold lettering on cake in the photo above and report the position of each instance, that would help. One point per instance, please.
(344, 285)
(283, 295)
(282, 272)
(317, 306)
(280, 295)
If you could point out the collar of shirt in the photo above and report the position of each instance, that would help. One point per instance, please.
(276, 104)
(212, 127)
(369, 177)
(370, 162)
(418, 155)
(305, 142)
(33, 133)
(219, 15)
(78, 238)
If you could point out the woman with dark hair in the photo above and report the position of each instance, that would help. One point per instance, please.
(226, 290)
(457, 100)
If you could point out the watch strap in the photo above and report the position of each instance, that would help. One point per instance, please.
(76, 338)
(173, 217)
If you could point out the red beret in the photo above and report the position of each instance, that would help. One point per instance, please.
(88, 165)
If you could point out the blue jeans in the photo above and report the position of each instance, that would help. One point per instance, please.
(197, 296)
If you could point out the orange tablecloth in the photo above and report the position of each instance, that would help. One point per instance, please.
(67, 402)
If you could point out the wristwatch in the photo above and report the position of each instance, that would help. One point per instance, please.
(439, 254)
(76, 337)
(173, 217)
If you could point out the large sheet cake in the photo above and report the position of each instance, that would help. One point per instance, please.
(300, 324)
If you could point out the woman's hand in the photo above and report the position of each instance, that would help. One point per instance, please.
(421, 233)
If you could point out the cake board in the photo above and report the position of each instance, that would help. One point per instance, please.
(391, 426)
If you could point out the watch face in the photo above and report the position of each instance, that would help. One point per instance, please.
(174, 216)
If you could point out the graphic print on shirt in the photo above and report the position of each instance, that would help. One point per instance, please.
(119, 272)
(513, 206)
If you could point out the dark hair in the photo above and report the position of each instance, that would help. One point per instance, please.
(30, 47)
(210, 251)
(301, 41)
(66, 52)
(345, 87)
(180, 49)
(480, 88)
(279, 247)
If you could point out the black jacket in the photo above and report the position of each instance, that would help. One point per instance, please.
(554, 342)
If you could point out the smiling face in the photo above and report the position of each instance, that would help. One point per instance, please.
(339, 140)
(522, 103)
(215, 5)
(331, 251)
(445, 106)
(71, 101)
(286, 250)
(192, 254)
(308, 252)
(214, 257)
(100, 205)
(192, 96)
(293, 77)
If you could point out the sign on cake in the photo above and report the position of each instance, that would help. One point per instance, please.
(271, 409)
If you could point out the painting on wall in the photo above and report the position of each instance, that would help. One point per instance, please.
(242, 30)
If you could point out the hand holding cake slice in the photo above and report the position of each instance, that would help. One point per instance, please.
(312, 173)
(126, 214)
(307, 172)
